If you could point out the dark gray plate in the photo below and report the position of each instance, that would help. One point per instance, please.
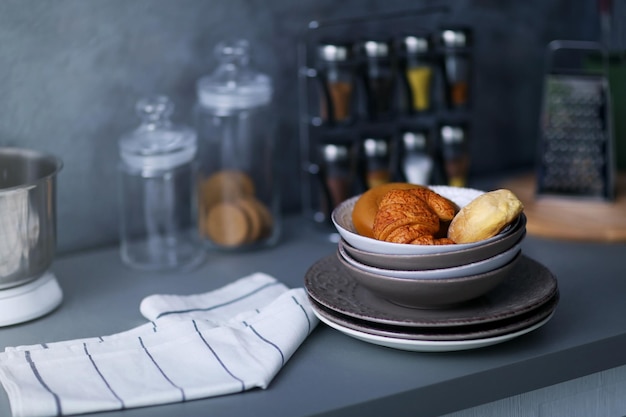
(471, 332)
(528, 286)
(441, 259)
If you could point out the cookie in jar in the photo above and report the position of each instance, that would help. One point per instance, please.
(231, 214)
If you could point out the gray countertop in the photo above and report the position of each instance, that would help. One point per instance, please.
(332, 374)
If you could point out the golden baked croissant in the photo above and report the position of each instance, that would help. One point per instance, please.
(413, 216)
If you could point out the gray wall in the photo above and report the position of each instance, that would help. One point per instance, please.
(71, 71)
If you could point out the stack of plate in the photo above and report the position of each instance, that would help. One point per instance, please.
(431, 298)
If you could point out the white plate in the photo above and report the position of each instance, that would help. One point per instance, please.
(429, 345)
(467, 270)
(342, 219)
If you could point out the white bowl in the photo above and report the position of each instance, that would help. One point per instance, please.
(342, 219)
(473, 268)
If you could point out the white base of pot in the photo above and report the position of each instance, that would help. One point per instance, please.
(30, 301)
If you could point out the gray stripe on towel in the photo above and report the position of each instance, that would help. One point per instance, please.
(145, 349)
(33, 367)
(93, 363)
(234, 300)
(243, 385)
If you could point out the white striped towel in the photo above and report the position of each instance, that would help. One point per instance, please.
(225, 341)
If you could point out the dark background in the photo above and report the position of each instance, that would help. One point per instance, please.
(72, 70)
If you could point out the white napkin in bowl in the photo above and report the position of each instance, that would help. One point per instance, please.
(225, 341)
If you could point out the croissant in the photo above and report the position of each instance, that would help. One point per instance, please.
(413, 216)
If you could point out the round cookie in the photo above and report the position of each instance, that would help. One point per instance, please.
(227, 224)
(267, 223)
(225, 185)
(255, 221)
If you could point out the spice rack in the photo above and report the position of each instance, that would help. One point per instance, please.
(382, 98)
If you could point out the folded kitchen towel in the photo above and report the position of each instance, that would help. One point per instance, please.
(225, 341)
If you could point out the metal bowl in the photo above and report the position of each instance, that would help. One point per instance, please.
(27, 214)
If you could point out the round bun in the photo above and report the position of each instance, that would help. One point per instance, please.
(485, 216)
(366, 206)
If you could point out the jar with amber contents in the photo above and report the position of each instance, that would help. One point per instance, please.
(238, 200)
(377, 161)
(456, 67)
(337, 83)
(455, 154)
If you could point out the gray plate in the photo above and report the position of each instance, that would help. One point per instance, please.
(480, 331)
(528, 286)
(442, 259)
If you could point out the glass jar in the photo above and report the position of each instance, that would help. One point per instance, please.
(456, 67)
(380, 80)
(336, 174)
(417, 163)
(419, 72)
(157, 172)
(455, 154)
(238, 198)
(377, 161)
(337, 83)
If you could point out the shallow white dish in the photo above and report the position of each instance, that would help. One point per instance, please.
(342, 219)
(474, 268)
(429, 345)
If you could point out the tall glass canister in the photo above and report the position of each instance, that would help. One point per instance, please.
(157, 173)
(238, 196)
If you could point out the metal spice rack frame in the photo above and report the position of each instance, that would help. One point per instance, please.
(314, 131)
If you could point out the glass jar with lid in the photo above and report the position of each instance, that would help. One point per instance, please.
(338, 82)
(237, 193)
(456, 66)
(419, 71)
(157, 173)
(379, 78)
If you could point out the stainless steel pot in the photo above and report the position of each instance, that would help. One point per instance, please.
(27, 214)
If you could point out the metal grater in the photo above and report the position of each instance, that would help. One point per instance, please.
(575, 147)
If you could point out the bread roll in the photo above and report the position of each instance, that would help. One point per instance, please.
(485, 216)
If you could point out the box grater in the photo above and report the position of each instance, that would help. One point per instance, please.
(576, 139)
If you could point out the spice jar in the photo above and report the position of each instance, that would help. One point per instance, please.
(417, 164)
(238, 200)
(336, 173)
(379, 78)
(456, 66)
(455, 154)
(337, 83)
(377, 161)
(419, 72)
(157, 172)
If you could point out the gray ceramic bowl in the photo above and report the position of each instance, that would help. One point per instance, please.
(430, 293)
(463, 270)
(342, 219)
(439, 260)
